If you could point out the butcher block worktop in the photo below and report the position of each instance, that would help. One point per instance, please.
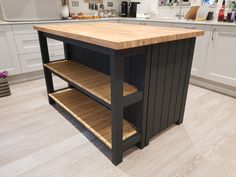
(118, 36)
(126, 83)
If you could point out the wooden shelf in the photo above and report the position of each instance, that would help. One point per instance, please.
(91, 114)
(88, 79)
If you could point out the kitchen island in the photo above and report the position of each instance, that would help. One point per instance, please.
(126, 83)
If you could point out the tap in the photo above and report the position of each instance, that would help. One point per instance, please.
(179, 14)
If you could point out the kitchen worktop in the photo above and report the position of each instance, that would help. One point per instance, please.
(118, 36)
(2, 22)
(164, 20)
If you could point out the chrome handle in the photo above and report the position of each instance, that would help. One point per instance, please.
(213, 34)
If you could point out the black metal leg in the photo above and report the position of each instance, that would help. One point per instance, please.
(143, 122)
(46, 59)
(117, 66)
(67, 56)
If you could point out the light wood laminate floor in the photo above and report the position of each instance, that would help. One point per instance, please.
(37, 141)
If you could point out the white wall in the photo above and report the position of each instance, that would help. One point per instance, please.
(151, 6)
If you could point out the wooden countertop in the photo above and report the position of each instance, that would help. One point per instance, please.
(118, 36)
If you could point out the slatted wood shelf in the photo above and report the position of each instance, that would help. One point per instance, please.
(91, 114)
(93, 81)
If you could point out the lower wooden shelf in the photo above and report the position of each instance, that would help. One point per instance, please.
(92, 115)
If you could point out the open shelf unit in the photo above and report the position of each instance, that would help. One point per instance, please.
(88, 80)
(95, 117)
(92, 115)
(104, 93)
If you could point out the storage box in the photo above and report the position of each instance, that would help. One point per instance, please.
(4, 88)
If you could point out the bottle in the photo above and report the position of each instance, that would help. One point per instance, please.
(229, 7)
(232, 19)
(221, 12)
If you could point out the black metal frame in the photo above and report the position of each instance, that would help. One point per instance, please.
(118, 101)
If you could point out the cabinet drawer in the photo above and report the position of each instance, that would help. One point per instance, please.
(57, 55)
(24, 29)
(220, 65)
(33, 62)
(162, 24)
(29, 43)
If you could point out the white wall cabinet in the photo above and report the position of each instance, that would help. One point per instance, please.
(221, 58)
(9, 60)
(201, 47)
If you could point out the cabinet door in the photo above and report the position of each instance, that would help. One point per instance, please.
(33, 62)
(9, 58)
(29, 43)
(221, 61)
(201, 47)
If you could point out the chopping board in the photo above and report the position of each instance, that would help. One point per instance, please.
(192, 13)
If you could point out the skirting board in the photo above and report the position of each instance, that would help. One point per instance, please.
(214, 86)
(25, 77)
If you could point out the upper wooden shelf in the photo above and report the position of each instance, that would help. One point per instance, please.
(95, 82)
(118, 36)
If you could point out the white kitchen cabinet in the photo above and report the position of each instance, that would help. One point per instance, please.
(29, 50)
(221, 58)
(33, 62)
(27, 40)
(201, 47)
(9, 60)
(29, 43)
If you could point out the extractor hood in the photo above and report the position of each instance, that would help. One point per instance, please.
(30, 10)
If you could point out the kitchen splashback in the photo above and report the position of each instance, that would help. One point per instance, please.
(27, 10)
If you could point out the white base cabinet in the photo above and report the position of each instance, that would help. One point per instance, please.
(29, 50)
(9, 60)
(221, 58)
(201, 47)
(33, 61)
